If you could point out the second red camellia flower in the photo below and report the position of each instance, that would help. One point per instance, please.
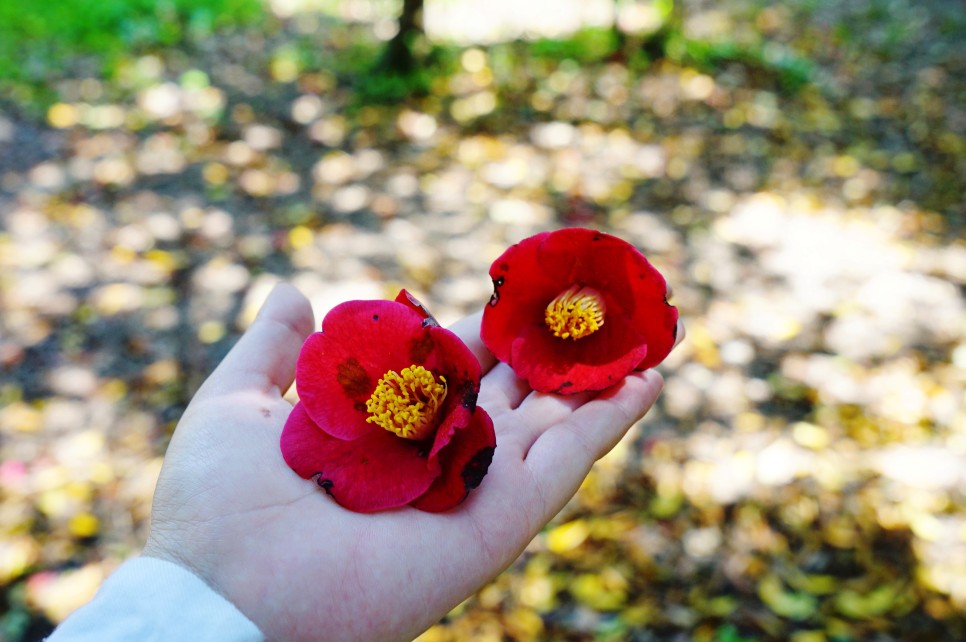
(577, 310)
(387, 413)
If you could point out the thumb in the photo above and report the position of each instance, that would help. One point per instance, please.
(264, 358)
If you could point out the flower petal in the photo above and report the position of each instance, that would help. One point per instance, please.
(416, 306)
(521, 292)
(464, 463)
(639, 325)
(454, 361)
(375, 472)
(566, 367)
(339, 367)
(605, 263)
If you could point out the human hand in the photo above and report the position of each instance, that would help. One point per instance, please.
(229, 509)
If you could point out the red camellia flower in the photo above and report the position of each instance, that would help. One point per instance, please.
(576, 310)
(387, 413)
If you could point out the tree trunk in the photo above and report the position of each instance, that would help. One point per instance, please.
(399, 51)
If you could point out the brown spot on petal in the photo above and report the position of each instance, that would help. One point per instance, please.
(476, 467)
(497, 284)
(354, 379)
(420, 348)
(562, 389)
(469, 396)
(324, 484)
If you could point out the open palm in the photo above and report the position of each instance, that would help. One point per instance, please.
(228, 508)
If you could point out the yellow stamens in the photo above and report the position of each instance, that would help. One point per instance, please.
(406, 403)
(575, 313)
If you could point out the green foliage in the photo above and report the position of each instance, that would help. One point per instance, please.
(37, 40)
(363, 67)
(385, 87)
(15, 623)
(729, 633)
(585, 46)
(790, 71)
(787, 604)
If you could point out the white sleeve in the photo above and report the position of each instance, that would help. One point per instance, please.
(152, 600)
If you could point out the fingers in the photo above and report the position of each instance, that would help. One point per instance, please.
(468, 329)
(265, 356)
(679, 336)
(534, 415)
(501, 389)
(562, 455)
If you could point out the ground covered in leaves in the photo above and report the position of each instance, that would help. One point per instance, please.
(797, 172)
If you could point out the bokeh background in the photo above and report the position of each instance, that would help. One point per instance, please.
(796, 170)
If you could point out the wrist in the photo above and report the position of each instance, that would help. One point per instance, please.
(162, 547)
(153, 598)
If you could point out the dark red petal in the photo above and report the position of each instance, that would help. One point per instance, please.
(375, 472)
(339, 367)
(566, 367)
(416, 306)
(521, 291)
(464, 463)
(454, 361)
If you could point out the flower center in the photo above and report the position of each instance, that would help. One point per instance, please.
(406, 403)
(576, 313)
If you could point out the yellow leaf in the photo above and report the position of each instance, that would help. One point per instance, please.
(795, 606)
(523, 624)
(84, 525)
(59, 595)
(20, 417)
(606, 591)
(16, 555)
(860, 606)
(567, 537)
(300, 236)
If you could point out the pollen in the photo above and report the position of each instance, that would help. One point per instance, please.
(406, 403)
(576, 313)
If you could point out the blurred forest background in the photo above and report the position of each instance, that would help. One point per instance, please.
(796, 170)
